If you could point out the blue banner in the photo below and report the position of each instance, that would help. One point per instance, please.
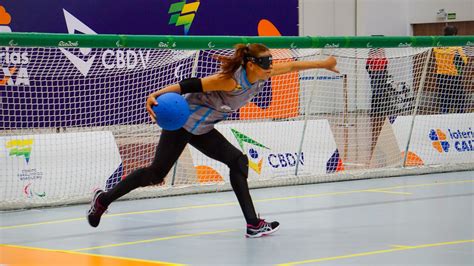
(152, 17)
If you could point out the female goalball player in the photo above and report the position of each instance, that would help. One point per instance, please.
(211, 100)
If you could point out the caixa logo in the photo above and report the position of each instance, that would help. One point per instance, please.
(110, 58)
(463, 139)
(460, 140)
(438, 140)
(13, 70)
(13, 62)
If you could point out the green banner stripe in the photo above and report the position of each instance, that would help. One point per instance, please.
(222, 42)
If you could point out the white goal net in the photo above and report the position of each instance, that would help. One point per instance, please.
(74, 119)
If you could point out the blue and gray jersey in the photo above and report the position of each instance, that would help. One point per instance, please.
(209, 108)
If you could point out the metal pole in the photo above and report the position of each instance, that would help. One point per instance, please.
(417, 102)
(193, 75)
(305, 122)
(345, 116)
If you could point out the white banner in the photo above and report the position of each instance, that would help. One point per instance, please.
(438, 139)
(273, 148)
(52, 166)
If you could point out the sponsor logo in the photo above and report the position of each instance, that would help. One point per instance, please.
(14, 58)
(13, 64)
(331, 45)
(293, 45)
(439, 142)
(30, 174)
(20, 148)
(166, 44)
(30, 193)
(334, 164)
(12, 43)
(14, 76)
(210, 45)
(255, 158)
(182, 14)
(125, 59)
(5, 20)
(260, 155)
(75, 25)
(463, 140)
(404, 44)
(110, 59)
(68, 44)
(469, 43)
(456, 140)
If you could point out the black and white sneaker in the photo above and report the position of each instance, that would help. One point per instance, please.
(96, 210)
(262, 229)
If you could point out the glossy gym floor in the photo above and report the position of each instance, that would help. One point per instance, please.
(409, 220)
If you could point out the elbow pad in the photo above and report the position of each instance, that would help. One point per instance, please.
(190, 85)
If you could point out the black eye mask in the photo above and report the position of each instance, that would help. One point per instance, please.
(264, 62)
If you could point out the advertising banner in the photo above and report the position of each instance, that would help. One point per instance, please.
(437, 139)
(273, 149)
(51, 166)
(164, 17)
(69, 86)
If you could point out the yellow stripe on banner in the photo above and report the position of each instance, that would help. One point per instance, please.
(399, 248)
(21, 255)
(191, 7)
(185, 19)
(156, 239)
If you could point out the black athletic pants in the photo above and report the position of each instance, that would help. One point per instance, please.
(170, 147)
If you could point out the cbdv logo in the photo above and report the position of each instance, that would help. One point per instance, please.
(461, 140)
(255, 151)
(110, 58)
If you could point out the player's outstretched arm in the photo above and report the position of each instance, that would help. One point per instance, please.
(287, 67)
(210, 83)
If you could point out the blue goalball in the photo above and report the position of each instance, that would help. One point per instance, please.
(172, 111)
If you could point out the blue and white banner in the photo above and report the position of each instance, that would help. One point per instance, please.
(437, 139)
(49, 167)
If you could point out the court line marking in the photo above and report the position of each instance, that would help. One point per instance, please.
(93, 255)
(389, 192)
(362, 254)
(156, 239)
(236, 203)
(400, 246)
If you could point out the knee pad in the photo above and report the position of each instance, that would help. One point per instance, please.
(241, 165)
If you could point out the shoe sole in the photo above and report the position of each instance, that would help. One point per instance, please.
(263, 233)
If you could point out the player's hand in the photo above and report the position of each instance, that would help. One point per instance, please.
(331, 64)
(150, 102)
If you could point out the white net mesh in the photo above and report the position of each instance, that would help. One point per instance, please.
(73, 120)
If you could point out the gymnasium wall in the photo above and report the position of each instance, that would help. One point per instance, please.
(387, 17)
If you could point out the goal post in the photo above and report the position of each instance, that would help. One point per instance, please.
(73, 117)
